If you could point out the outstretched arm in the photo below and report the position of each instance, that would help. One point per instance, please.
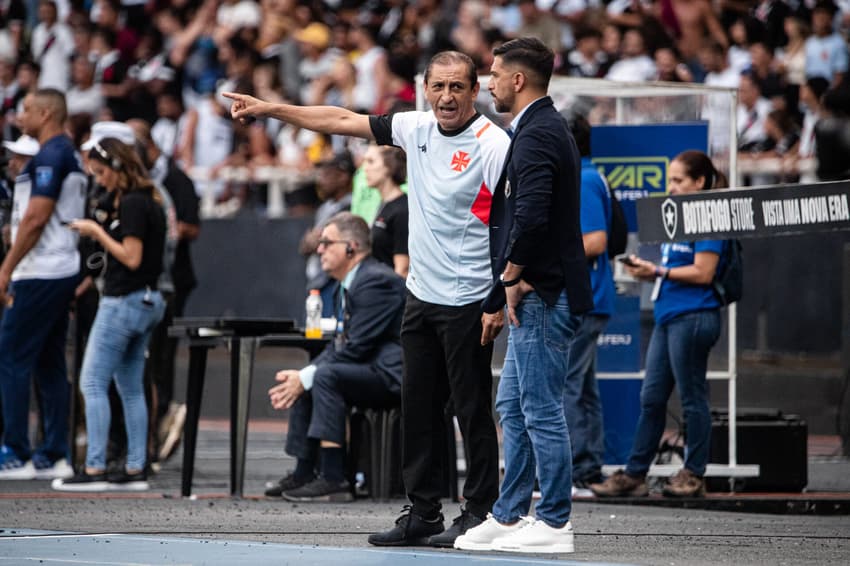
(323, 119)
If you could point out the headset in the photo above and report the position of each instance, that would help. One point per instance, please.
(113, 162)
(349, 251)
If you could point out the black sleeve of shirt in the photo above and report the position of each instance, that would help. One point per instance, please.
(400, 228)
(133, 213)
(182, 191)
(382, 128)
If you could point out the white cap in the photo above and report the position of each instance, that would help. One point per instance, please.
(24, 145)
(119, 130)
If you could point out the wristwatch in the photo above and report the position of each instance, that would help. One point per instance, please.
(509, 282)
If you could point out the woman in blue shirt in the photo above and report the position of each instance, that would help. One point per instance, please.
(687, 325)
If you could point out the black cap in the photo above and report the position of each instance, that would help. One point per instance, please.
(341, 160)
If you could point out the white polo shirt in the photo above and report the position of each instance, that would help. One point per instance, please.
(451, 177)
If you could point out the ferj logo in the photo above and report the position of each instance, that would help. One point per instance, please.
(634, 177)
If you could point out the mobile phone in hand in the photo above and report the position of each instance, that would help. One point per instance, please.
(626, 260)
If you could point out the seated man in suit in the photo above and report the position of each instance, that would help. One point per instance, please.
(362, 366)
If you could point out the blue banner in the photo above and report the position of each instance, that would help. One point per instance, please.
(634, 159)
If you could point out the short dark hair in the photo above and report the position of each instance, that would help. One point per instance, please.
(580, 128)
(453, 57)
(531, 54)
(54, 100)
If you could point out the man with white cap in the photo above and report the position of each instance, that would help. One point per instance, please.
(37, 281)
(19, 153)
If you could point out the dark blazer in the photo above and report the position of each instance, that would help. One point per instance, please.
(374, 305)
(535, 215)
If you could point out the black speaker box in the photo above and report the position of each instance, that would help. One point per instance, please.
(774, 441)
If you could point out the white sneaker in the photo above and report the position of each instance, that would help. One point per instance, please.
(540, 538)
(18, 471)
(581, 492)
(59, 470)
(482, 536)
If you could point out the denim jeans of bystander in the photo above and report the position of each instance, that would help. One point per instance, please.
(116, 350)
(582, 404)
(677, 355)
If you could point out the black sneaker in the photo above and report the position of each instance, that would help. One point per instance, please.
(466, 520)
(82, 482)
(321, 489)
(410, 530)
(122, 481)
(286, 483)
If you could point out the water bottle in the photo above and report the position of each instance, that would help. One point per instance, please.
(313, 328)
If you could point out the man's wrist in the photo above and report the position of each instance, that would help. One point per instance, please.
(509, 282)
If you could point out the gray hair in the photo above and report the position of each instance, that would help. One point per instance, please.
(352, 227)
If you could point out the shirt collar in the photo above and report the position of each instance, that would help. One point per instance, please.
(349, 277)
(518, 117)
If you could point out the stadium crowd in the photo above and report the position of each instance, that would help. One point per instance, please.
(166, 62)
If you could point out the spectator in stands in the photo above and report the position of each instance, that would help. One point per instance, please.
(810, 99)
(110, 73)
(588, 59)
(206, 142)
(129, 310)
(695, 21)
(826, 50)
(791, 60)
(8, 90)
(334, 188)
(752, 113)
(361, 367)
(832, 135)
(385, 169)
(169, 111)
(372, 82)
(540, 24)
(739, 51)
(716, 110)
(687, 325)
(582, 404)
(108, 16)
(19, 153)
(634, 65)
(52, 46)
(84, 96)
(317, 56)
(669, 67)
(763, 70)
(37, 281)
(782, 136)
(771, 14)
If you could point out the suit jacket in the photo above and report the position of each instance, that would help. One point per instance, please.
(535, 215)
(374, 304)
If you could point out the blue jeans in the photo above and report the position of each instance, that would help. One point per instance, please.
(32, 345)
(531, 411)
(677, 355)
(582, 404)
(116, 350)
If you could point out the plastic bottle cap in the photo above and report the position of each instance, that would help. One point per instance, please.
(314, 291)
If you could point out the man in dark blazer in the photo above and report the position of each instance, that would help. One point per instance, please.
(539, 263)
(362, 366)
